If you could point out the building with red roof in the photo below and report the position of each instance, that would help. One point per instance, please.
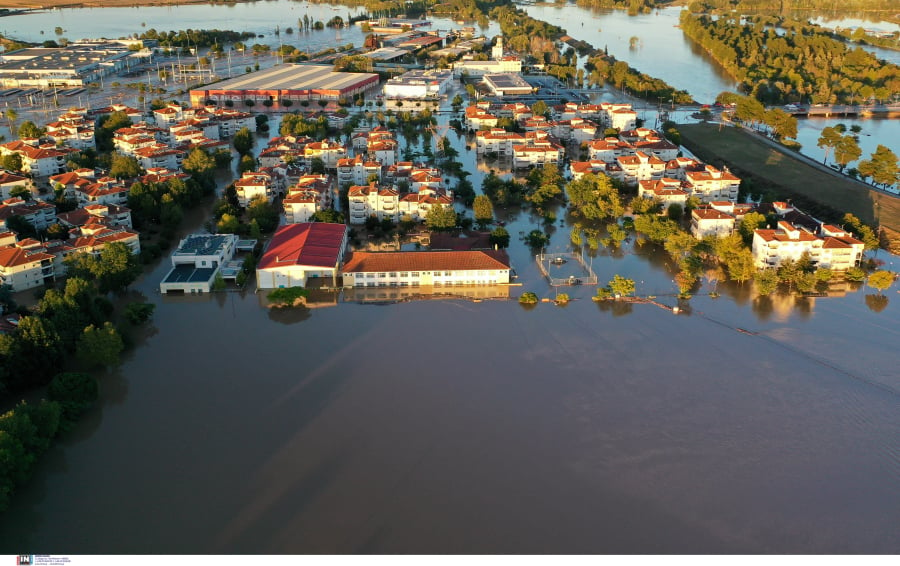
(412, 269)
(299, 252)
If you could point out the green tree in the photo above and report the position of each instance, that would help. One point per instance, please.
(247, 163)
(881, 280)
(11, 116)
(100, 347)
(540, 108)
(544, 184)
(847, 150)
(114, 270)
(243, 141)
(863, 232)
(783, 124)
(621, 286)
(200, 165)
(528, 298)
(855, 274)
(536, 239)
(595, 197)
(484, 210)
(751, 222)
(76, 393)
(265, 214)
(124, 167)
(29, 129)
(656, 229)
(20, 191)
(766, 281)
(828, 140)
(228, 224)
(36, 349)
(328, 215)
(317, 165)
(500, 237)
(139, 313)
(883, 167)
(11, 162)
(440, 218)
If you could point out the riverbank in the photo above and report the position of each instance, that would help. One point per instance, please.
(787, 174)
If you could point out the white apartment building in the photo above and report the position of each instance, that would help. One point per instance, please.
(371, 200)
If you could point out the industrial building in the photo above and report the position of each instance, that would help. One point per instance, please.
(77, 64)
(507, 84)
(284, 86)
(418, 84)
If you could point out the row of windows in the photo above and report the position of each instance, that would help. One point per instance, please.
(416, 284)
(404, 274)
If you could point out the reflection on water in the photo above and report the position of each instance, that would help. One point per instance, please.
(398, 294)
(877, 302)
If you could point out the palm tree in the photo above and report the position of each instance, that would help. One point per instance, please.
(11, 116)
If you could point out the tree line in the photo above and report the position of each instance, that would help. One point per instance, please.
(196, 37)
(778, 65)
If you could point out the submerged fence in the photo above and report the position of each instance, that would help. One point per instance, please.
(566, 268)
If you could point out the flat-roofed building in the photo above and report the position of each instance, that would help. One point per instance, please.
(412, 269)
(418, 84)
(480, 68)
(507, 84)
(282, 83)
(197, 261)
(76, 64)
(386, 54)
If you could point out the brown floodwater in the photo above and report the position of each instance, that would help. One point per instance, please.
(450, 426)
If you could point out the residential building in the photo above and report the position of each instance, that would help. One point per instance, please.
(254, 184)
(477, 118)
(40, 161)
(371, 200)
(772, 247)
(38, 213)
(328, 151)
(712, 184)
(357, 171)
(109, 215)
(9, 181)
(666, 191)
(641, 167)
(711, 222)
(25, 268)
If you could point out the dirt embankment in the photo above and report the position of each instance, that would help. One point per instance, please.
(780, 173)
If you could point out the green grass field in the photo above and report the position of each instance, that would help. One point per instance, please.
(778, 174)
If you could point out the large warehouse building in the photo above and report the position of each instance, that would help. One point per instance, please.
(283, 87)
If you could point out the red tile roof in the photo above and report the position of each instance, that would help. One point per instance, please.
(367, 262)
(317, 244)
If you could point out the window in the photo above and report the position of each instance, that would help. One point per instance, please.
(404, 274)
(415, 273)
(446, 274)
(370, 276)
(381, 275)
(393, 275)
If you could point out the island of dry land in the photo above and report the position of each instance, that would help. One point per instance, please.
(781, 173)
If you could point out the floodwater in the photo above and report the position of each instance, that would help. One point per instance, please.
(743, 425)
(260, 17)
(459, 427)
